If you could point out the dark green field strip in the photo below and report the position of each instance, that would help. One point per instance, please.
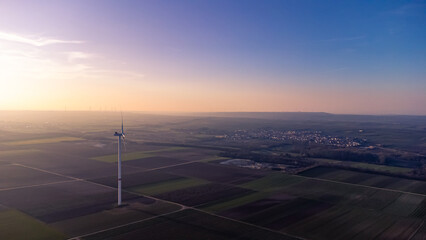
(203, 194)
(252, 206)
(153, 162)
(215, 172)
(225, 204)
(17, 225)
(167, 186)
(273, 182)
(127, 156)
(188, 225)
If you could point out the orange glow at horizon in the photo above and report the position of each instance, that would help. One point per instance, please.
(43, 78)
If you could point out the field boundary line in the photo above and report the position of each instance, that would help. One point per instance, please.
(417, 230)
(147, 196)
(163, 167)
(37, 185)
(182, 206)
(247, 223)
(124, 225)
(46, 171)
(360, 185)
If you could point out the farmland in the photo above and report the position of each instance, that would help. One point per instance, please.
(44, 141)
(167, 186)
(17, 225)
(174, 183)
(135, 155)
(368, 179)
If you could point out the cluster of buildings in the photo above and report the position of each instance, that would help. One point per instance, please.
(316, 137)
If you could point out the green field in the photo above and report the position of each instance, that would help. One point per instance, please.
(381, 168)
(43, 141)
(8, 153)
(213, 158)
(366, 166)
(125, 156)
(17, 225)
(113, 217)
(272, 182)
(136, 155)
(221, 206)
(357, 211)
(167, 186)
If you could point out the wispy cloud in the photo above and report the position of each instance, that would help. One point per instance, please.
(344, 39)
(25, 63)
(34, 41)
(77, 55)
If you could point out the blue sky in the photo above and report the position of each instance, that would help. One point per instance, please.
(333, 56)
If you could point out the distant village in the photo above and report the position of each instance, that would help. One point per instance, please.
(316, 137)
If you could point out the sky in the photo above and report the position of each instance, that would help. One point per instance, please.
(350, 57)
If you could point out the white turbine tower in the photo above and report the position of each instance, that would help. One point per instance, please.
(119, 135)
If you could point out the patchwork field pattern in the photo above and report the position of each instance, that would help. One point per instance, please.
(43, 141)
(170, 191)
(367, 179)
(198, 224)
(329, 207)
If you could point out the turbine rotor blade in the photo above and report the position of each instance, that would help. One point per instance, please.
(124, 143)
(122, 128)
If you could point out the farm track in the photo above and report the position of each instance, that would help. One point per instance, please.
(183, 207)
(157, 199)
(416, 231)
(360, 185)
(38, 185)
(124, 225)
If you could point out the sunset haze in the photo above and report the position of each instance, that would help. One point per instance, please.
(213, 56)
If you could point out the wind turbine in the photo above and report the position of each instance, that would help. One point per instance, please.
(119, 135)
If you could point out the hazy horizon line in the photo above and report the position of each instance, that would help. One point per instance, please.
(161, 112)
